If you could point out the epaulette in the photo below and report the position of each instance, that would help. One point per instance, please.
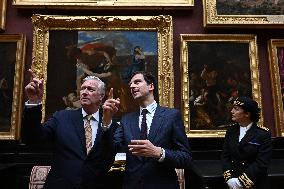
(264, 128)
(232, 124)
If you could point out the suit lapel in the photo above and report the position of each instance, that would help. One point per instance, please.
(134, 126)
(236, 136)
(99, 131)
(77, 119)
(156, 123)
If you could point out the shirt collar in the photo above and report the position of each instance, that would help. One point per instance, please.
(95, 115)
(247, 127)
(151, 107)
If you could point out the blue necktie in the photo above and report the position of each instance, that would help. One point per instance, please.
(143, 132)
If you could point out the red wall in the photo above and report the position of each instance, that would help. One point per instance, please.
(184, 21)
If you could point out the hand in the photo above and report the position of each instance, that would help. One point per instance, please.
(144, 148)
(34, 89)
(110, 107)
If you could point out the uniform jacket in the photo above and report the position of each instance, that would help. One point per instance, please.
(71, 167)
(248, 159)
(167, 131)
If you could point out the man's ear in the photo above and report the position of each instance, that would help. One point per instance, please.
(102, 96)
(151, 87)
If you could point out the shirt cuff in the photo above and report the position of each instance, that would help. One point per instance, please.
(29, 105)
(105, 128)
(163, 155)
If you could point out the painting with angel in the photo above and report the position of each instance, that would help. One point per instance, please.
(110, 55)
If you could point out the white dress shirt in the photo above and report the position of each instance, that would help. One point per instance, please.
(149, 116)
(243, 131)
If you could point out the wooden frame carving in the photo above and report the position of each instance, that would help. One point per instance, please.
(105, 4)
(276, 60)
(3, 8)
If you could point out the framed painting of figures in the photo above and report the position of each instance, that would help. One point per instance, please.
(67, 49)
(105, 4)
(243, 13)
(276, 60)
(12, 55)
(3, 8)
(215, 70)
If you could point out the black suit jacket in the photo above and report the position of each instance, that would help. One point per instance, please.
(166, 131)
(71, 167)
(248, 159)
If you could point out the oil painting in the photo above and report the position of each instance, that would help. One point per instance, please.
(12, 55)
(243, 13)
(111, 48)
(220, 69)
(112, 56)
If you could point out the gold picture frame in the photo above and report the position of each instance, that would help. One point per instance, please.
(12, 53)
(54, 34)
(3, 8)
(105, 4)
(276, 53)
(219, 13)
(216, 68)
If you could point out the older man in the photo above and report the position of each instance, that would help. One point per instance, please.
(81, 147)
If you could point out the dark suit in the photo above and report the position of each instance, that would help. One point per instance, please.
(166, 131)
(72, 168)
(248, 159)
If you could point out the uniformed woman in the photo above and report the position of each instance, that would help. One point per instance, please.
(247, 148)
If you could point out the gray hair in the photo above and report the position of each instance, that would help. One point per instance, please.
(101, 84)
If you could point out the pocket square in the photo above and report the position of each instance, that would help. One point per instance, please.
(254, 143)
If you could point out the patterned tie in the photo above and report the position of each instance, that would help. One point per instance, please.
(88, 133)
(143, 132)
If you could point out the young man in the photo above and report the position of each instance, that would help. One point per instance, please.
(81, 146)
(155, 143)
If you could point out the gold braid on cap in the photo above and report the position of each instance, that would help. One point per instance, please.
(238, 103)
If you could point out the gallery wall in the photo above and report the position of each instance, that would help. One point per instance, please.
(184, 22)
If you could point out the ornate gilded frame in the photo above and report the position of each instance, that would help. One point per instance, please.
(186, 65)
(3, 8)
(44, 24)
(211, 18)
(273, 49)
(15, 95)
(105, 4)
